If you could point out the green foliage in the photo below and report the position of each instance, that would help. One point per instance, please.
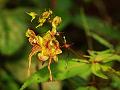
(11, 84)
(76, 73)
(12, 31)
(115, 81)
(87, 27)
(59, 72)
(104, 56)
(101, 40)
(96, 69)
(98, 26)
(99, 60)
(86, 88)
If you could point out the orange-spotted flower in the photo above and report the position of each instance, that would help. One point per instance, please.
(47, 47)
(44, 17)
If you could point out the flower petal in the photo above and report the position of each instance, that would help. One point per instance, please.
(33, 15)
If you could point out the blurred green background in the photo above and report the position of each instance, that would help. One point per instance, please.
(87, 25)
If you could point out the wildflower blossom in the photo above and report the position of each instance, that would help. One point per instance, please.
(33, 15)
(47, 47)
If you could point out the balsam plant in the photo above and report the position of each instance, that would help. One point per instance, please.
(47, 48)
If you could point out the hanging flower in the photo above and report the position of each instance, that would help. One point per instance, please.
(47, 47)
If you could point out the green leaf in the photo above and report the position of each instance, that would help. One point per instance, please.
(115, 81)
(113, 71)
(98, 26)
(103, 56)
(105, 51)
(8, 79)
(101, 40)
(93, 53)
(86, 26)
(81, 60)
(105, 68)
(59, 72)
(112, 57)
(115, 76)
(96, 69)
(12, 29)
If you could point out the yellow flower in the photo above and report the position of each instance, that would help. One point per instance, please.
(46, 47)
(34, 41)
(33, 15)
(56, 21)
(32, 36)
(45, 15)
(50, 46)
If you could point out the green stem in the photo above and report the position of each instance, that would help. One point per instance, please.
(39, 84)
(86, 28)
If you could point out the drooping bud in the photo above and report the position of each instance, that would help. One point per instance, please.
(56, 21)
(33, 15)
(30, 33)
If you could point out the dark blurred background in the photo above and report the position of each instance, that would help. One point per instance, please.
(79, 17)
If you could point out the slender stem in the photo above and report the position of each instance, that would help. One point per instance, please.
(51, 78)
(29, 65)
